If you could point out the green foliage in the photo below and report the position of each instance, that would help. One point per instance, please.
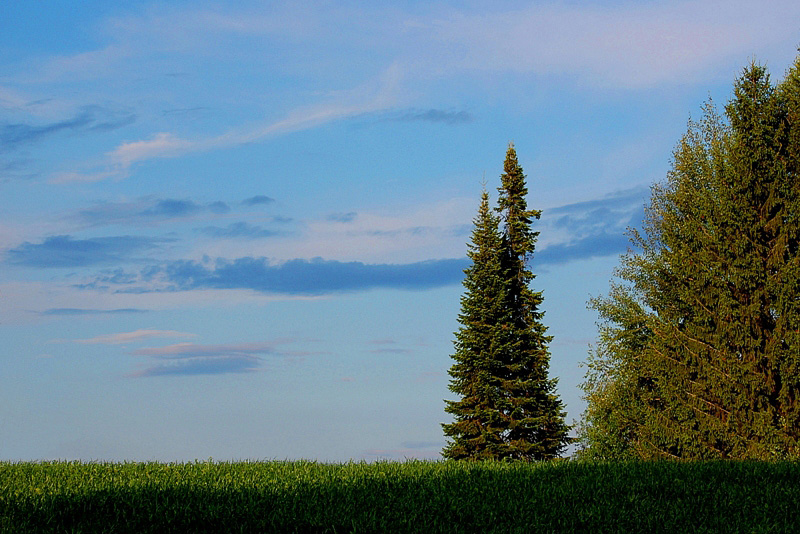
(508, 407)
(431, 497)
(699, 348)
(479, 424)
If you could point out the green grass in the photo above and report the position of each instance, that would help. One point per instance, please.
(399, 497)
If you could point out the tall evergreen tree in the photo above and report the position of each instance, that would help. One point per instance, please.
(536, 428)
(699, 349)
(477, 432)
(509, 408)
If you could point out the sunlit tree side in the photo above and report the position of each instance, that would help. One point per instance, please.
(699, 349)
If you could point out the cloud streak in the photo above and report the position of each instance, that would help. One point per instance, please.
(593, 228)
(146, 211)
(131, 337)
(88, 119)
(203, 366)
(598, 245)
(194, 350)
(66, 252)
(375, 95)
(294, 277)
(440, 116)
(191, 359)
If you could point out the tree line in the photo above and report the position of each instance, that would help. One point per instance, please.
(698, 355)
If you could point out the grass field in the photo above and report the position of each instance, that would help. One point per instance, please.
(425, 497)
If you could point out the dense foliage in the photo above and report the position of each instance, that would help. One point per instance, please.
(477, 432)
(699, 350)
(508, 407)
(431, 497)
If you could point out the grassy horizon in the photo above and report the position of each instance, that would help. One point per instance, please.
(414, 496)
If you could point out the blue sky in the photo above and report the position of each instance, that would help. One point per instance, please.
(237, 229)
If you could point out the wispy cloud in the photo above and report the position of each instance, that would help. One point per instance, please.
(184, 359)
(624, 44)
(593, 246)
(608, 216)
(421, 231)
(591, 228)
(433, 115)
(203, 366)
(194, 350)
(66, 251)
(88, 119)
(145, 211)
(17, 169)
(342, 217)
(130, 337)
(630, 45)
(375, 95)
(160, 145)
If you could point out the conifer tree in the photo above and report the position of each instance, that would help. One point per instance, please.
(477, 432)
(536, 428)
(699, 349)
(509, 408)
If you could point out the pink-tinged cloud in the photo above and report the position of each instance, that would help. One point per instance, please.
(130, 337)
(194, 350)
(632, 45)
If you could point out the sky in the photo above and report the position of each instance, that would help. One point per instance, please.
(237, 230)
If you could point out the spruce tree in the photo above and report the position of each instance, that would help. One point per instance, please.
(699, 350)
(536, 428)
(477, 432)
(509, 409)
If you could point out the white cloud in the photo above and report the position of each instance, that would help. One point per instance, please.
(161, 145)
